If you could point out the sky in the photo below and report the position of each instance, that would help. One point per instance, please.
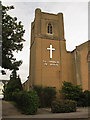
(75, 25)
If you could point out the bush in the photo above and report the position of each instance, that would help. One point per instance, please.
(71, 92)
(84, 100)
(88, 96)
(28, 102)
(46, 95)
(75, 92)
(64, 106)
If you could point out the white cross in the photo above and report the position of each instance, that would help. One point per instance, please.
(51, 49)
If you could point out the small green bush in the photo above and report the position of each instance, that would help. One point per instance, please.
(46, 95)
(70, 91)
(28, 102)
(63, 106)
(75, 92)
(88, 97)
(84, 100)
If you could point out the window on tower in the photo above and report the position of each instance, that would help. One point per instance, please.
(88, 56)
(49, 28)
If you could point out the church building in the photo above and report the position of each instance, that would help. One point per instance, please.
(50, 62)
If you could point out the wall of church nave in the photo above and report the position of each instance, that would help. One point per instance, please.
(66, 64)
(81, 65)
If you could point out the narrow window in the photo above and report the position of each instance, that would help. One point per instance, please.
(88, 56)
(88, 66)
(49, 28)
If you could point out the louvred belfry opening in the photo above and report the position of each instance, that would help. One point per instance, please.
(49, 28)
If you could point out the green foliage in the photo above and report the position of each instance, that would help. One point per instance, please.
(84, 100)
(87, 97)
(13, 103)
(49, 95)
(13, 85)
(75, 92)
(64, 106)
(28, 102)
(70, 91)
(46, 95)
(12, 34)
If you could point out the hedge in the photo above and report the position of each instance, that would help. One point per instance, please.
(28, 102)
(46, 95)
(76, 93)
(63, 106)
(84, 100)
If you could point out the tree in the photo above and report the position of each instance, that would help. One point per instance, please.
(14, 85)
(12, 39)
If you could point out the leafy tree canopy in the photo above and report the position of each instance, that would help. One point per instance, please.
(12, 39)
(14, 85)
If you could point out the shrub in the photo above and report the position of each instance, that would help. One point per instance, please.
(70, 91)
(75, 92)
(84, 99)
(88, 96)
(40, 93)
(28, 102)
(49, 95)
(64, 106)
(46, 95)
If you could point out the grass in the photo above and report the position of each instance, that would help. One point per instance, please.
(13, 103)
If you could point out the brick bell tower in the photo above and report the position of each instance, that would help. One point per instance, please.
(50, 63)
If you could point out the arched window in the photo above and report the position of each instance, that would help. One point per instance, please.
(49, 28)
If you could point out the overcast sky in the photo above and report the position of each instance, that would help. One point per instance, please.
(75, 25)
